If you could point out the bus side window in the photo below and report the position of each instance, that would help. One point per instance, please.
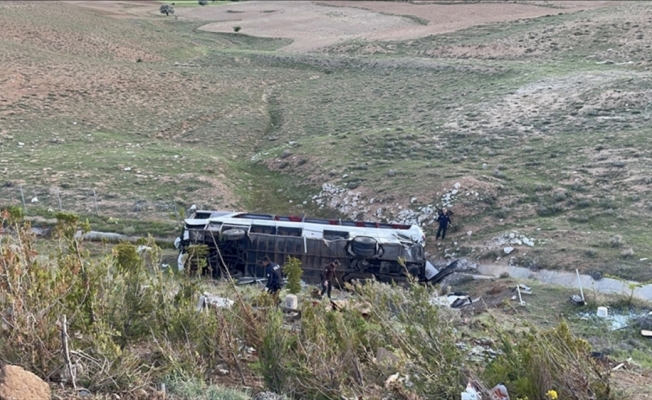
(335, 235)
(285, 231)
(269, 230)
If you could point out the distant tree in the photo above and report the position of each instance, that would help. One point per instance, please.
(236, 29)
(203, 2)
(166, 9)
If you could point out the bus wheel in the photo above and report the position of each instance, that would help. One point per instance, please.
(233, 234)
(364, 246)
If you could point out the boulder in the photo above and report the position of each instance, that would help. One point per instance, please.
(508, 250)
(18, 384)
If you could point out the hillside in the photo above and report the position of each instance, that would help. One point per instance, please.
(540, 119)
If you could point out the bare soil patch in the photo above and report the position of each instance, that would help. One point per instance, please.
(313, 25)
(120, 9)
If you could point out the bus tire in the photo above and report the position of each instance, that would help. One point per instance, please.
(233, 234)
(364, 246)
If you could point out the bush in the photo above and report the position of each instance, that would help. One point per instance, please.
(203, 2)
(132, 324)
(166, 9)
(532, 363)
(627, 253)
(236, 29)
(616, 241)
(332, 355)
(292, 269)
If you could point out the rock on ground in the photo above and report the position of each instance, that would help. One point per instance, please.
(18, 384)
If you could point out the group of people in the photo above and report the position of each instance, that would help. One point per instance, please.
(274, 275)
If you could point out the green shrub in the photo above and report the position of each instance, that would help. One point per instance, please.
(132, 323)
(332, 354)
(196, 259)
(533, 362)
(292, 269)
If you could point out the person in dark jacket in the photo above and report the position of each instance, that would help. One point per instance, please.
(328, 277)
(274, 276)
(444, 220)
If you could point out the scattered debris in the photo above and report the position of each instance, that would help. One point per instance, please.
(499, 392)
(575, 299)
(208, 299)
(453, 300)
(522, 288)
(470, 393)
(617, 367)
(520, 298)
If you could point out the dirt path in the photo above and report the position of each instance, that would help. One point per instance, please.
(313, 25)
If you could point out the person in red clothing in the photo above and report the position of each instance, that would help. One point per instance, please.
(328, 277)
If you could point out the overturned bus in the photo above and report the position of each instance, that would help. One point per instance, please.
(237, 241)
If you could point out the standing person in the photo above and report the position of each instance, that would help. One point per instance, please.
(274, 276)
(328, 277)
(444, 220)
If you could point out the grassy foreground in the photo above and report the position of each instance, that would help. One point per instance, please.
(133, 327)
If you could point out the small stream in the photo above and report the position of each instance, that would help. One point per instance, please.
(569, 279)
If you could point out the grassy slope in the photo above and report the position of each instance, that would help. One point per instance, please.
(563, 137)
(562, 133)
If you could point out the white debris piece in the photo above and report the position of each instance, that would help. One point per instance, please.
(430, 270)
(508, 249)
(34, 200)
(208, 299)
